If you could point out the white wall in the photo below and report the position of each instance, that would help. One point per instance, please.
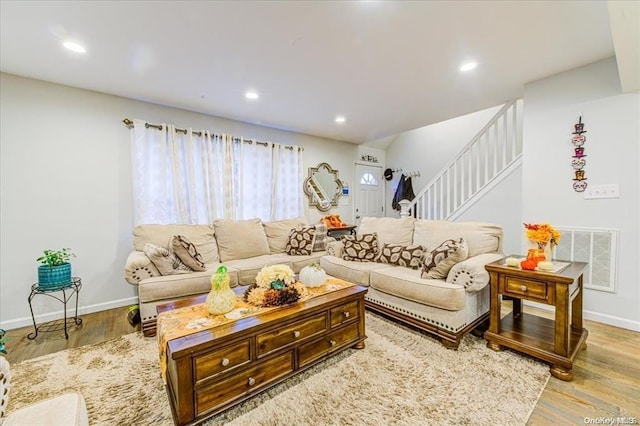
(429, 149)
(66, 182)
(612, 122)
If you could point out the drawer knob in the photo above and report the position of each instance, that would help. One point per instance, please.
(296, 334)
(523, 287)
(346, 314)
(332, 342)
(225, 362)
(252, 381)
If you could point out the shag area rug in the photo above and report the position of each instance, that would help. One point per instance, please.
(402, 377)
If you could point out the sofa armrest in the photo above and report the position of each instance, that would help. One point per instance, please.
(471, 273)
(335, 248)
(138, 267)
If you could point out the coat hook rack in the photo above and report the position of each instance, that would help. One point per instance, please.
(412, 174)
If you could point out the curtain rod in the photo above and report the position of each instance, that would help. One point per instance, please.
(129, 123)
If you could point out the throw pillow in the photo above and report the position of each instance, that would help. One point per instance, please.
(438, 263)
(360, 248)
(187, 252)
(165, 260)
(397, 254)
(320, 243)
(240, 239)
(301, 241)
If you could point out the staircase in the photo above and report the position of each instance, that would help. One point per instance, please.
(489, 157)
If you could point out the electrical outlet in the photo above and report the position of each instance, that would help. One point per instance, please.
(593, 192)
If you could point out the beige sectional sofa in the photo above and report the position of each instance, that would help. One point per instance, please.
(244, 246)
(447, 307)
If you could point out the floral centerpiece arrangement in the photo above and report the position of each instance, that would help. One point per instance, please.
(542, 234)
(275, 286)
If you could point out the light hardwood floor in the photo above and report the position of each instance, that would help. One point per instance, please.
(606, 383)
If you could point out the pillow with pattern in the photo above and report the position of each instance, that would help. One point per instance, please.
(320, 243)
(360, 248)
(397, 254)
(438, 263)
(165, 260)
(301, 241)
(187, 252)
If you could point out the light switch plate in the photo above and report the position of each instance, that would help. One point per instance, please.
(611, 190)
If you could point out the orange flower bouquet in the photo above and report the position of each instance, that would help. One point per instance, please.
(542, 234)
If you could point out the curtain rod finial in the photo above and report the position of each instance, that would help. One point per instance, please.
(127, 122)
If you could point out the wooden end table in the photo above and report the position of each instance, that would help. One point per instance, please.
(556, 341)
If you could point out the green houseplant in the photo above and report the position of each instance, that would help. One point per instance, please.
(55, 269)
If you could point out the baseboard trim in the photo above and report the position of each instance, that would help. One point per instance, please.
(82, 310)
(597, 317)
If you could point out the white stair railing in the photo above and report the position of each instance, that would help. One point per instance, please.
(492, 153)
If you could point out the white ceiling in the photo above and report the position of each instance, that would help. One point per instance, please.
(388, 67)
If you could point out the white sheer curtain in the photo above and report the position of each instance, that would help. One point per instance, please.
(196, 177)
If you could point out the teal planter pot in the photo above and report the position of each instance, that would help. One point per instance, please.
(52, 276)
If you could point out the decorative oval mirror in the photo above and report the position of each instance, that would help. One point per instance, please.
(323, 187)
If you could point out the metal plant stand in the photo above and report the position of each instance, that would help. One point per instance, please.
(68, 290)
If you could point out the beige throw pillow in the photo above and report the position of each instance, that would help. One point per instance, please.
(187, 252)
(165, 260)
(397, 254)
(438, 263)
(277, 232)
(360, 248)
(240, 239)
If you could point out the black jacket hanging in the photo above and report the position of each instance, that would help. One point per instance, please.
(403, 191)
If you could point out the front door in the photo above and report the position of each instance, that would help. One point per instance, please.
(368, 198)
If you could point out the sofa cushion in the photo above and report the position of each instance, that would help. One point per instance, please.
(320, 243)
(481, 237)
(441, 259)
(355, 272)
(240, 239)
(301, 240)
(187, 253)
(165, 260)
(389, 229)
(407, 284)
(248, 268)
(202, 236)
(360, 248)
(172, 286)
(277, 232)
(401, 255)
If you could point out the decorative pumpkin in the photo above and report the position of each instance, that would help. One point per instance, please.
(312, 275)
(528, 265)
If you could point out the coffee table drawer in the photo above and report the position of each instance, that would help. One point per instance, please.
(295, 332)
(318, 348)
(242, 383)
(223, 359)
(344, 313)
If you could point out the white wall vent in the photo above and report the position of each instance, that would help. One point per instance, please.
(598, 247)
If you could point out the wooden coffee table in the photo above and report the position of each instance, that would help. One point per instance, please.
(212, 370)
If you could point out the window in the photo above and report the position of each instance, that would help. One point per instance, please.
(368, 179)
(186, 176)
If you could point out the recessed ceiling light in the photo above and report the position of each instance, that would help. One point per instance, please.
(340, 119)
(251, 95)
(74, 47)
(468, 66)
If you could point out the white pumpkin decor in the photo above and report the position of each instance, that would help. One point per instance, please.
(312, 275)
